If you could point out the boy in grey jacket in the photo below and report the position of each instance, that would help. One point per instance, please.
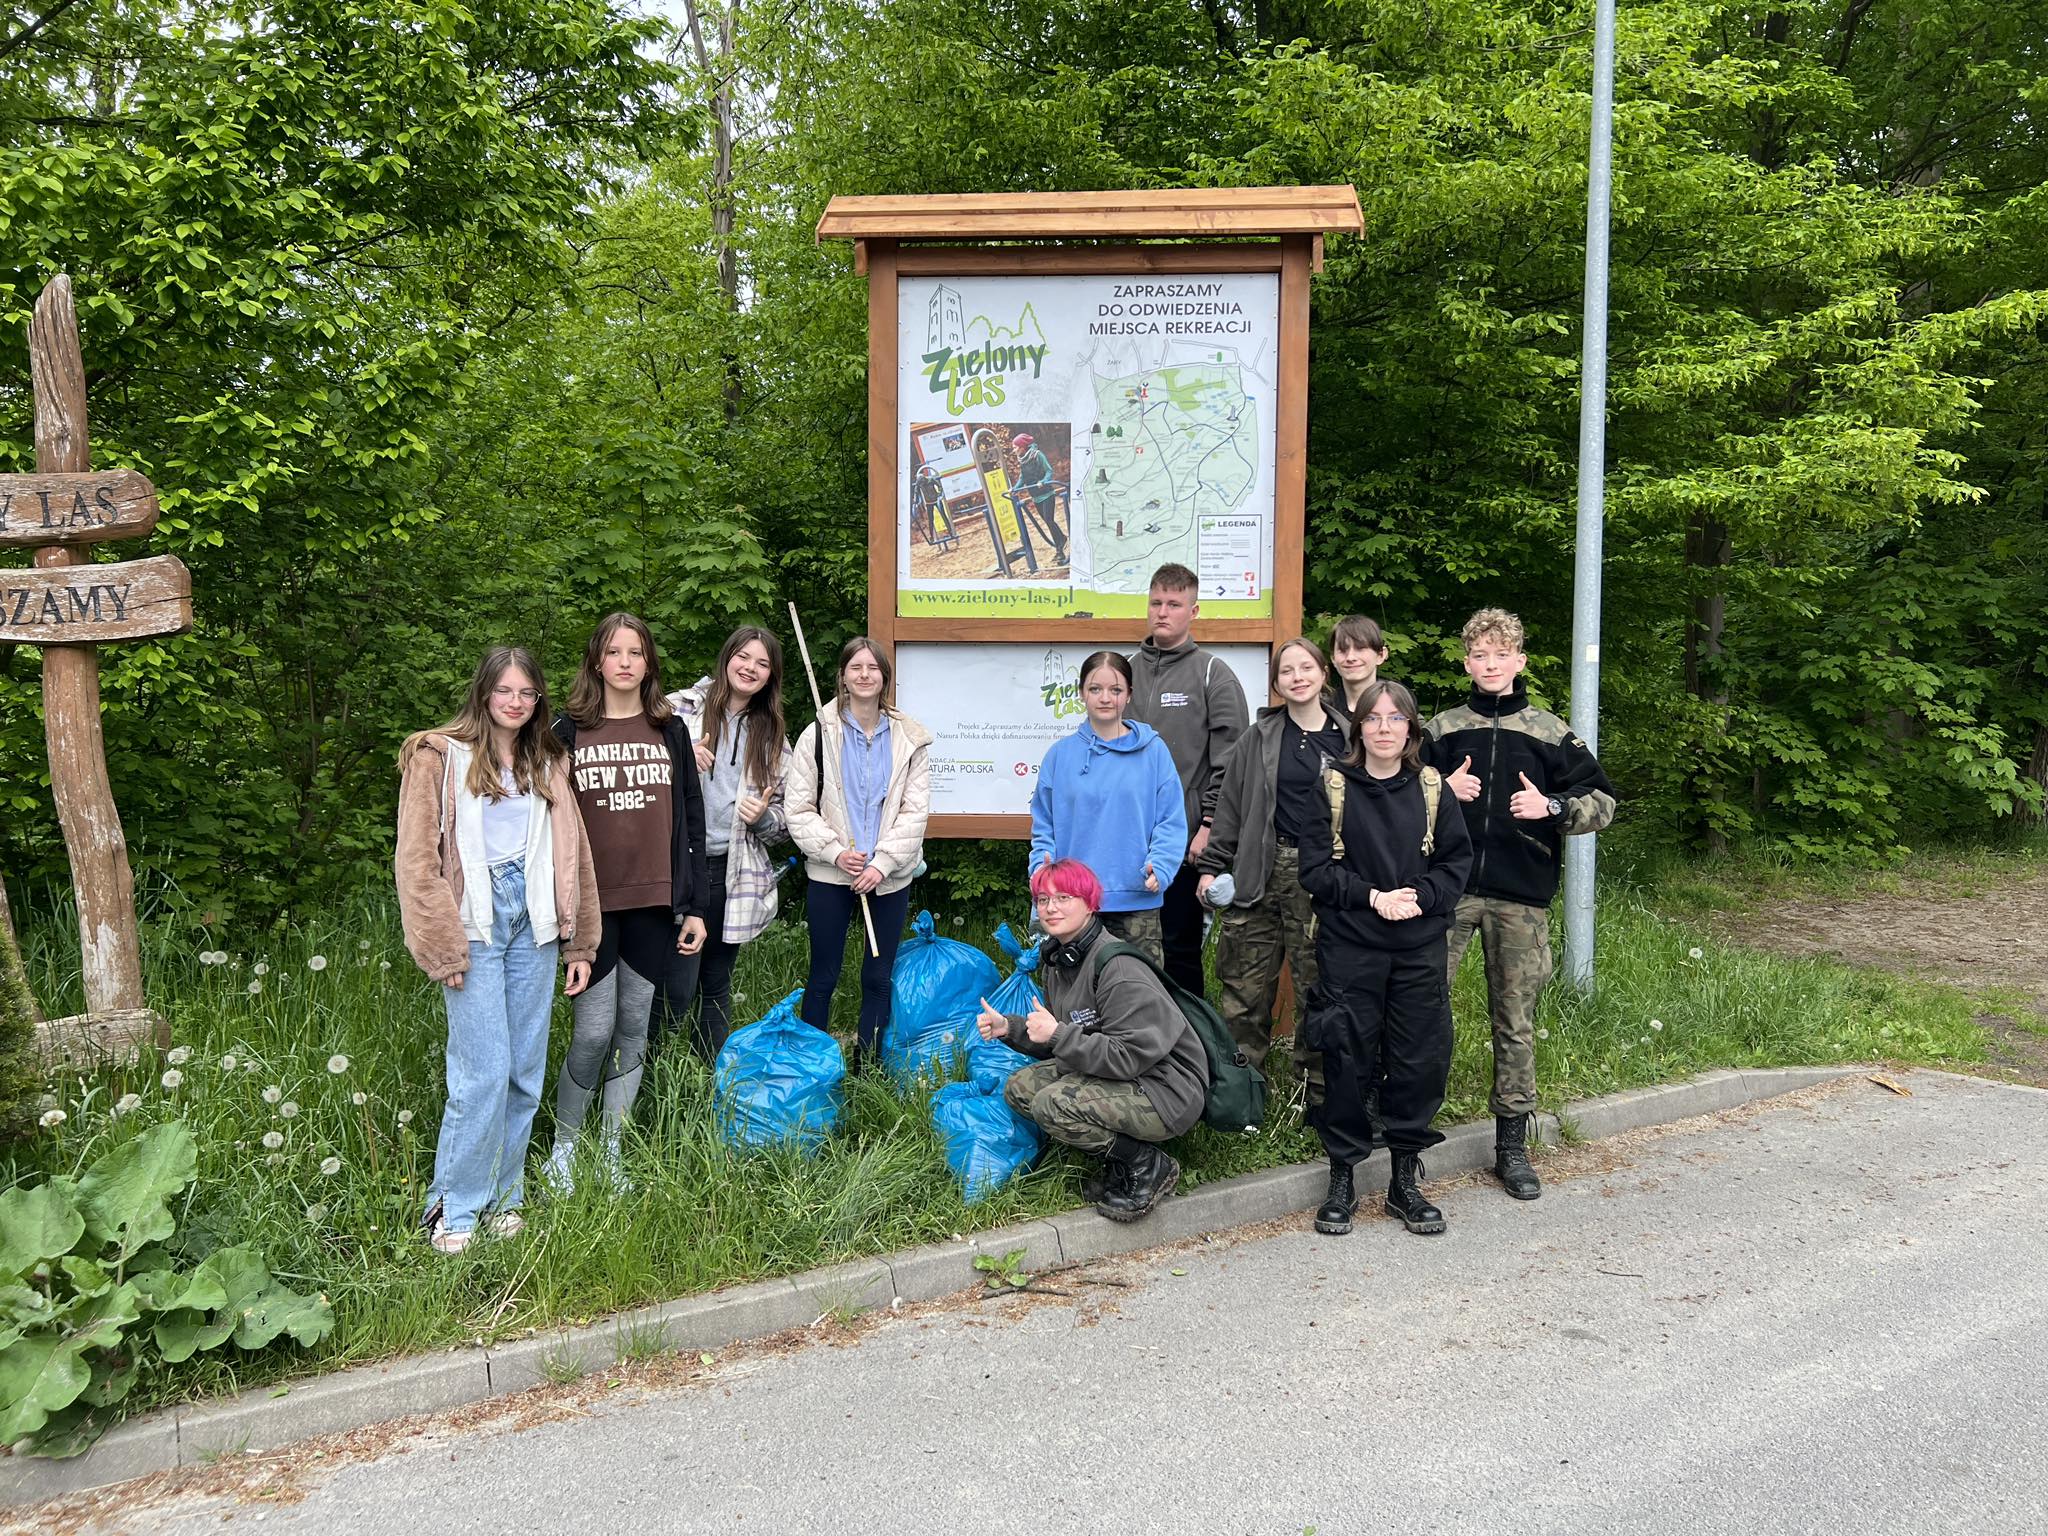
(1195, 703)
(1120, 1069)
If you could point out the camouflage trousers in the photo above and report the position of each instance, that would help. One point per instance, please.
(1251, 944)
(1515, 938)
(1082, 1111)
(1140, 929)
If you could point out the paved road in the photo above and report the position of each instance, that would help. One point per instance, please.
(1826, 1314)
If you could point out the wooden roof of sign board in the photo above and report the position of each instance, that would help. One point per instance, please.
(1211, 212)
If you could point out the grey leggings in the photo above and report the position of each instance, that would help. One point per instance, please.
(608, 1050)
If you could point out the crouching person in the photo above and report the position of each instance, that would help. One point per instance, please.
(1121, 1069)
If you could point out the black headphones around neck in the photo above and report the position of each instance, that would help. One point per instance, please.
(1069, 953)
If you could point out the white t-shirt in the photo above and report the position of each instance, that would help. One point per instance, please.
(505, 823)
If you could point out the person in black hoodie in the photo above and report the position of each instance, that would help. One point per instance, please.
(1384, 882)
(1527, 783)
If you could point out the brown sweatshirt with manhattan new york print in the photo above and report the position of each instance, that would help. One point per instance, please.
(623, 783)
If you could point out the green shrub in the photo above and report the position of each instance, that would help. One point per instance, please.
(91, 1295)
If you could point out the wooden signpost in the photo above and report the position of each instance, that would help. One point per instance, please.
(67, 604)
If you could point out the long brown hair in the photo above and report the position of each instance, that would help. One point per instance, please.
(765, 728)
(847, 652)
(536, 748)
(586, 694)
(1401, 699)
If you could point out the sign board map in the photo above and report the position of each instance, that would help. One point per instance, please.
(1060, 438)
(994, 709)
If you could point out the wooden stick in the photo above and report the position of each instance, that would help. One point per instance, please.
(111, 959)
(867, 916)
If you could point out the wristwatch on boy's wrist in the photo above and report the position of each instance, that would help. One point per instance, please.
(1556, 806)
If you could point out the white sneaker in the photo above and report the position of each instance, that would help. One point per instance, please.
(556, 1173)
(445, 1241)
(504, 1224)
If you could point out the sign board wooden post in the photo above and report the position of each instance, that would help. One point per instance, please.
(67, 604)
(1109, 381)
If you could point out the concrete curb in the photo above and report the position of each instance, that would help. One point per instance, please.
(267, 1419)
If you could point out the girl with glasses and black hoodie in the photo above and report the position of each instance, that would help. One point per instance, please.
(1384, 884)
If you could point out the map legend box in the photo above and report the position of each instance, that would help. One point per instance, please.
(1227, 554)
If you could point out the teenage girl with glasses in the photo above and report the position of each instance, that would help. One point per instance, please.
(494, 876)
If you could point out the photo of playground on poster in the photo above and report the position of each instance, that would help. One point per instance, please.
(1063, 437)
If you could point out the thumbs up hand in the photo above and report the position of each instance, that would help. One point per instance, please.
(1529, 803)
(1463, 781)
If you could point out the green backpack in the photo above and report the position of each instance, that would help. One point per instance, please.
(1236, 1100)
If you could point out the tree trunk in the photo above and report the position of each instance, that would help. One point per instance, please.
(2037, 770)
(18, 1008)
(1708, 552)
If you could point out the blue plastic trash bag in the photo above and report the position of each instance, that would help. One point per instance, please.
(1015, 995)
(779, 1081)
(987, 1142)
(936, 994)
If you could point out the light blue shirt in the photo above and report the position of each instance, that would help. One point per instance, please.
(864, 776)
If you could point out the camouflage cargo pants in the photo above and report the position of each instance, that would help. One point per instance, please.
(1082, 1111)
(1515, 938)
(1251, 944)
(1138, 928)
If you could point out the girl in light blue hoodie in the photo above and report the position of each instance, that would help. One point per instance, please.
(1109, 796)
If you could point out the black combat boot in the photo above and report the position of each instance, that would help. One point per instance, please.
(1511, 1157)
(1406, 1200)
(1149, 1177)
(1334, 1214)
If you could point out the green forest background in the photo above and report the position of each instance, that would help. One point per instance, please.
(442, 325)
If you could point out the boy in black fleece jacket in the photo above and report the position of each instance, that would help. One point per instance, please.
(1527, 783)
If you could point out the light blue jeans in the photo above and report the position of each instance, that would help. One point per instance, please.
(497, 1056)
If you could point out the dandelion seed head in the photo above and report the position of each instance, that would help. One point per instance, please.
(405, 1117)
(272, 1094)
(255, 987)
(1695, 953)
(260, 968)
(1656, 1023)
(273, 1139)
(274, 1160)
(178, 1055)
(337, 1064)
(316, 1214)
(128, 1103)
(383, 965)
(359, 1098)
(362, 943)
(330, 1166)
(289, 1110)
(52, 1118)
(317, 963)
(1542, 1034)
(172, 1078)
(228, 1063)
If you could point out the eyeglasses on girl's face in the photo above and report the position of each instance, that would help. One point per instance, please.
(505, 695)
(1053, 900)
(1385, 722)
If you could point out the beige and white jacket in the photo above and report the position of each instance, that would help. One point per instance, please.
(444, 890)
(817, 821)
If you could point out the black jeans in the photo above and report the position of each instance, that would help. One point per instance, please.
(831, 910)
(1180, 930)
(1383, 1011)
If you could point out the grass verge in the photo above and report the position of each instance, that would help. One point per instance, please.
(309, 1067)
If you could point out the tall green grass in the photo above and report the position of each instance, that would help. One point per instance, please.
(308, 1063)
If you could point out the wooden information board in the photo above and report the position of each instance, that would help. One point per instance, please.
(1066, 391)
